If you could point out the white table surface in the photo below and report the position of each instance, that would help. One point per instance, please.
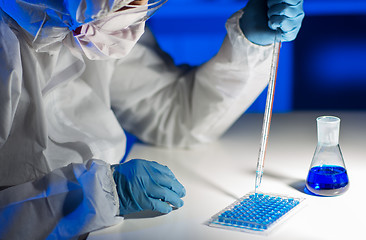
(217, 174)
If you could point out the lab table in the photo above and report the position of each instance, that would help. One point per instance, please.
(218, 173)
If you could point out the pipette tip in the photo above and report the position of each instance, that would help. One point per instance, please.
(258, 180)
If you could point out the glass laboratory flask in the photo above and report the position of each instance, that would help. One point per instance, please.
(327, 175)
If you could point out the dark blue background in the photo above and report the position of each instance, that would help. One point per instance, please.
(324, 68)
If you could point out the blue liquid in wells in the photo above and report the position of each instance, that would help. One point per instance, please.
(256, 212)
(328, 180)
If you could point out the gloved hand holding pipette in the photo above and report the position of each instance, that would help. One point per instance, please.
(262, 18)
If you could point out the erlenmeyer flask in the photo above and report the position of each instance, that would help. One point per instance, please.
(327, 175)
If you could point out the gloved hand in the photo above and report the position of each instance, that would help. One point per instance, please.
(145, 185)
(262, 18)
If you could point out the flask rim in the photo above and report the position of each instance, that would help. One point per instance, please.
(328, 119)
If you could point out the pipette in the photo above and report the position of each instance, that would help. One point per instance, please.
(268, 111)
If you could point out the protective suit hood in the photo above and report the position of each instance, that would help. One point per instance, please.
(49, 21)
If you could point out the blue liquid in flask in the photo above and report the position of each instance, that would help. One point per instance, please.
(327, 180)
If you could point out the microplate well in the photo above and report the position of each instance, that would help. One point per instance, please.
(256, 213)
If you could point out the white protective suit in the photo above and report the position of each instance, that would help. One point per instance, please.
(60, 111)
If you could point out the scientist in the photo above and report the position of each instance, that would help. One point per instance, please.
(75, 73)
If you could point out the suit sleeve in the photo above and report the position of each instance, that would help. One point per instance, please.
(64, 204)
(170, 105)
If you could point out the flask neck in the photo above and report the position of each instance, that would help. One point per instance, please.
(328, 131)
(328, 140)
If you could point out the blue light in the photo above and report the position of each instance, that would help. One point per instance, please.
(341, 63)
(335, 7)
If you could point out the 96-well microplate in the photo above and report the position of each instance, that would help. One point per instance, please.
(255, 213)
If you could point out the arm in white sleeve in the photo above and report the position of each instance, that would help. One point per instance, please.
(10, 80)
(172, 106)
(64, 204)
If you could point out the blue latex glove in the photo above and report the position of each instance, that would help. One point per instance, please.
(262, 18)
(145, 185)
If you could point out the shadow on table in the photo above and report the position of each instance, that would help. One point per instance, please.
(144, 214)
(204, 180)
(298, 184)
